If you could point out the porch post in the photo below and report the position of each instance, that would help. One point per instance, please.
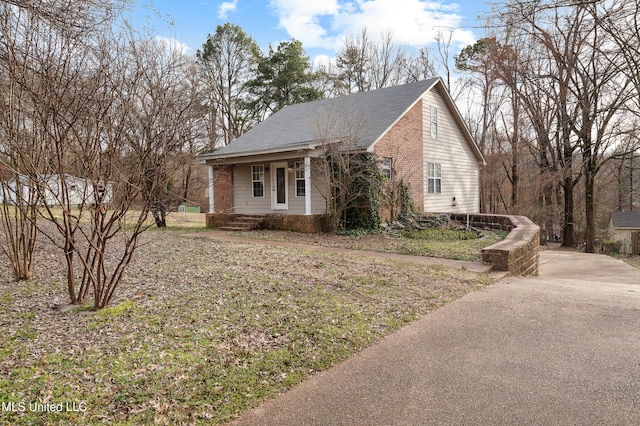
(211, 204)
(307, 186)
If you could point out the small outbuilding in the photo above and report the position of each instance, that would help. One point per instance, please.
(624, 229)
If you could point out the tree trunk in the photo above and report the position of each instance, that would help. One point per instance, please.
(187, 179)
(160, 215)
(547, 232)
(590, 226)
(568, 227)
(515, 179)
(71, 283)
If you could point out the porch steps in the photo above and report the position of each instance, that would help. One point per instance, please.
(243, 223)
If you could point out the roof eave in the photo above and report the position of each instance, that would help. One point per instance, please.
(213, 156)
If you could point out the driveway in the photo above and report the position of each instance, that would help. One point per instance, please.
(559, 349)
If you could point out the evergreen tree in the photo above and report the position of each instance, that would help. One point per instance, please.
(284, 77)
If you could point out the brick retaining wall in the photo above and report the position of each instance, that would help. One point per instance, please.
(296, 223)
(519, 253)
(289, 222)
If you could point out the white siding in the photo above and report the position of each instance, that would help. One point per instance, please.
(624, 239)
(460, 167)
(245, 203)
(10, 188)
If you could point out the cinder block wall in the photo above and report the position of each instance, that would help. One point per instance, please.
(519, 253)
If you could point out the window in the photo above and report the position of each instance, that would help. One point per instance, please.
(385, 167)
(300, 186)
(434, 123)
(257, 177)
(434, 178)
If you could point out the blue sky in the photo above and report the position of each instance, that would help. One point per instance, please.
(320, 25)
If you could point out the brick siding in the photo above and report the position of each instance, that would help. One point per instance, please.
(289, 222)
(403, 144)
(223, 189)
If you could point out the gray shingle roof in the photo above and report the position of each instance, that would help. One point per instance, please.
(625, 219)
(363, 116)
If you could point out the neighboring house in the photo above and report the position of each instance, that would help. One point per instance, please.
(624, 229)
(415, 130)
(78, 190)
(10, 190)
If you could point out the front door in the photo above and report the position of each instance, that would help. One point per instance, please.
(279, 186)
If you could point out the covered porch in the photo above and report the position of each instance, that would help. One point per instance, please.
(278, 184)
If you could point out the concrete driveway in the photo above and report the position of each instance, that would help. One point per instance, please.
(559, 349)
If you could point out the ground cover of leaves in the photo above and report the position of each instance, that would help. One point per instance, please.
(436, 242)
(200, 330)
(633, 261)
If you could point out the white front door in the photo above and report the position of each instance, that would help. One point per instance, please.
(279, 186)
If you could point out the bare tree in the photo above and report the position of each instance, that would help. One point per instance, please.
(420, 66)
(365, 63)
(21, 142)
(352, 181)
(228, 60)
(444, 58)
(161, 127)
(620, 21)
(86, 97)
(193, 131)
(564, 65)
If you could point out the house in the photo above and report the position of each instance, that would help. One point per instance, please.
(624, 229)
(79, 190)
(415, 130)
(11, 189)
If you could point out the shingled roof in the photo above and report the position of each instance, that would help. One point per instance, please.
(625, 219)
(364, 117)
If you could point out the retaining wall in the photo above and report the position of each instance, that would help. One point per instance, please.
(519, 253)
(289, 222)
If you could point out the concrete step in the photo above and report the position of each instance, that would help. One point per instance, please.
(232, 227)
(249, 219)
(243, 223)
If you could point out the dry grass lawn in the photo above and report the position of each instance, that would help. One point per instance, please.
(447, 244)
(200, 330)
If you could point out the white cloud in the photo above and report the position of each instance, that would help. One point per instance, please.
(226, 7)
(302, 19)
(412, 22)
(173, 45)
(323, 61)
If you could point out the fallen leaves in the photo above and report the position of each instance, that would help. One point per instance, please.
(201, 330)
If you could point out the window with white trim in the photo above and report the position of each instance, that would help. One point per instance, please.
(385, 167)
(434, 122)
(257, 179)
(434, 178)
(300, 185)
